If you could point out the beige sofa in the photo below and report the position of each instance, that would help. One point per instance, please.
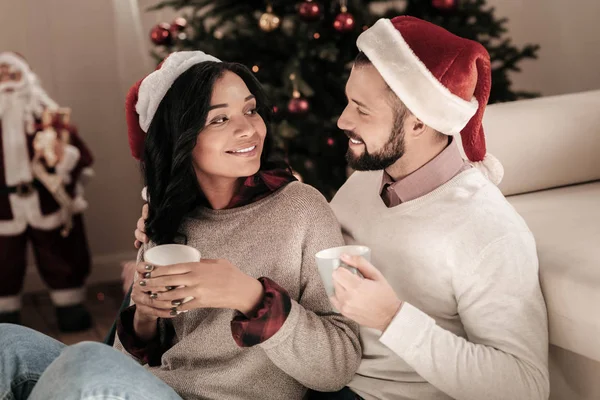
(550, 149)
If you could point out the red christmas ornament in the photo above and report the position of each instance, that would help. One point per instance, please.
(298, 105)
(444, 4)
(344, 22)
(275, 109)
(310, 11)
(330, 142)
(161, 34)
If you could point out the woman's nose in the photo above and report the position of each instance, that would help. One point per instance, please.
(244, 127)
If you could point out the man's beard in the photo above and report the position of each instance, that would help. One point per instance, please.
(391, 152)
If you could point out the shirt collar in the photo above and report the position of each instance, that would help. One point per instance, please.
(429, 177)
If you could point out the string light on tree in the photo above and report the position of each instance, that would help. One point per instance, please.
(444, 4)
(178, 28)
(344, 21)
(310, 11)
(255, 68)
(161, 34)
(298, 105)
(268, 22)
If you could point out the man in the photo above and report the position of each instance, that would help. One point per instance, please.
(41, 166)
(454, 308)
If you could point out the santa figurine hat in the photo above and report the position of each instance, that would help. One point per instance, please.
(145, 96)
(443, 79)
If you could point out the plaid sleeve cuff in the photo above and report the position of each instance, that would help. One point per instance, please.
(148, 353)
(266, 320)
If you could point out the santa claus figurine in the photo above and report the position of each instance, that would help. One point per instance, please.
(42, 168)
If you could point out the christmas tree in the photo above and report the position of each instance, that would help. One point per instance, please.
(302, 53)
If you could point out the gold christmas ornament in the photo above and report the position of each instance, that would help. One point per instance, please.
(268, 22)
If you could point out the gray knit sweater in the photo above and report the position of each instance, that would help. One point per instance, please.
(276, 237)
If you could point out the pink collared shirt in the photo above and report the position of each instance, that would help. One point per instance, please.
(426, 179)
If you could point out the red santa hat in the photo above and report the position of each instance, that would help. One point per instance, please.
(145, 96)
(443, 79)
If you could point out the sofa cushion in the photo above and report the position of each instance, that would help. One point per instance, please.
(545, 142)
(566, 226)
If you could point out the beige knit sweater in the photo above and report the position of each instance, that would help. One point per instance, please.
(276, 237)
(473, 325)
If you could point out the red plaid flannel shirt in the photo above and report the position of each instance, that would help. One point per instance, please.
(247, 331)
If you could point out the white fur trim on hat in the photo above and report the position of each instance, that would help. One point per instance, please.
(491, 168)
(411, 80)
(155, 86)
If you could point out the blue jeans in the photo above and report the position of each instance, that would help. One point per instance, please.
(35, 367)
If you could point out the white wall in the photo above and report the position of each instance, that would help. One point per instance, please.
(88, 53)
(568, 32)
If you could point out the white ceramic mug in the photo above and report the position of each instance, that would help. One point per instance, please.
(169, 254)
(329, 260)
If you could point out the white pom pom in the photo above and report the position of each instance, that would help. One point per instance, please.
(491, 168)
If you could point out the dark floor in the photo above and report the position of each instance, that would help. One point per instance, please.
(103, 302)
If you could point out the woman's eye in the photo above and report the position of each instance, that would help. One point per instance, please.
(360, 112)
(254, 111)
(218, 121)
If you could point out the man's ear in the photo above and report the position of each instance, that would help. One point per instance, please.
(414, 126)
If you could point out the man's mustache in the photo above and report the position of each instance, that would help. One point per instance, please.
(353, 135)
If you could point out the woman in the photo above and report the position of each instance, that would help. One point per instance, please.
(260, 324)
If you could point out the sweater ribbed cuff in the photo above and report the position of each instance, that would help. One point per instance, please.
(406, 329)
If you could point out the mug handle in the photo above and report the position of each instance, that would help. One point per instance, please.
(353, 270)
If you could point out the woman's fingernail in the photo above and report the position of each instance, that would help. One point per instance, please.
(173, 313)
(345, 257)
(149, 267)
(142, 283)
(170, 287)
(153, 295)
(146, 275)
(176, 303)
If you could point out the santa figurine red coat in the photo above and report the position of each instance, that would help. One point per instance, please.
(43, 165)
